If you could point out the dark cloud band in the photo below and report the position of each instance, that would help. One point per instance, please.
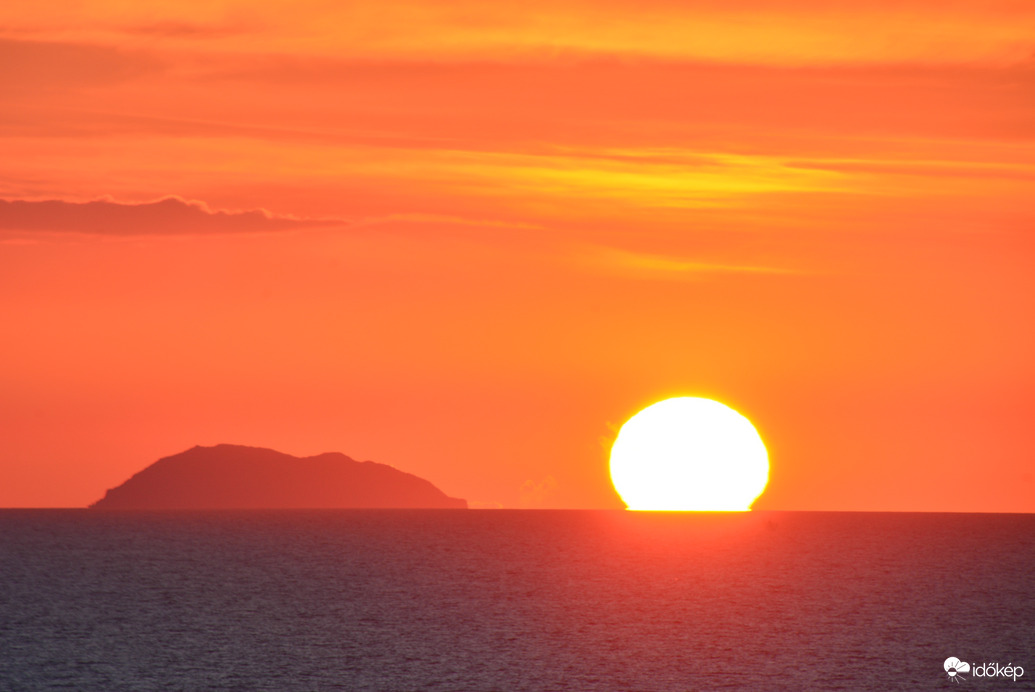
(171, 215)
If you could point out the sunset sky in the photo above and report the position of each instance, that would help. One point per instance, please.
(470, 239)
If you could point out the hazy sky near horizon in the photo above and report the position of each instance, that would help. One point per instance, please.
(470, 239)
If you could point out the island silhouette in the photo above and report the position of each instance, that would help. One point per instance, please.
(238, 477)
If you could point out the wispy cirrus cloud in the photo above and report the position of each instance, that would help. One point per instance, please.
(668, 267)
(168, 216)
(792, 32)
(928, 169)
(183, 29)
(46, 64)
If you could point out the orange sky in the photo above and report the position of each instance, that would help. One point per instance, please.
(470, 239)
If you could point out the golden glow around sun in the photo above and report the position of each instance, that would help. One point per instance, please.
(689, 454)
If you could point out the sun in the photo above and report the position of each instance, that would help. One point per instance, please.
(690, 454)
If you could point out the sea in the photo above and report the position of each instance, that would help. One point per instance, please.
(402, 600)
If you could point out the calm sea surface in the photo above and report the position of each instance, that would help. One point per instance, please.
(512, 600)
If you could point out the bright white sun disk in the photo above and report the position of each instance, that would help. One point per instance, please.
(689, 454)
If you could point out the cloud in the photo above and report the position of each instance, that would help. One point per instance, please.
(535, 495)
(169, 216)
(767, 31)
(179, 29)
(40, 64)
(644, 265)
(483, 504)
(938, 169)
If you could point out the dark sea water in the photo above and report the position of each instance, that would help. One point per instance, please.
(512, 600)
